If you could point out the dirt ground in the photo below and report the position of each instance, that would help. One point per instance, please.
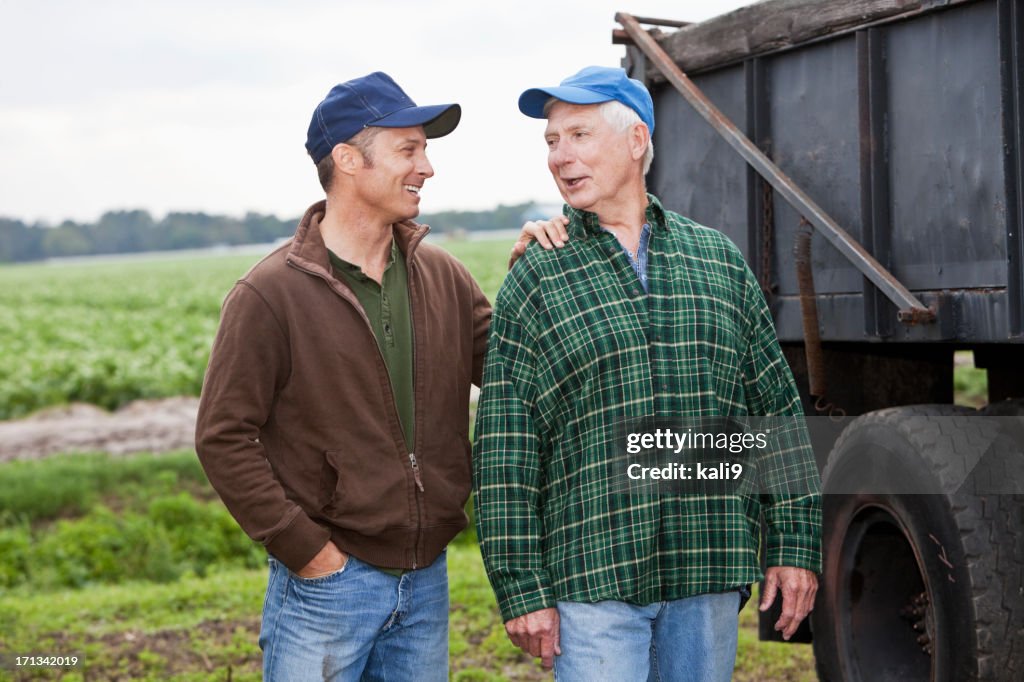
(141, 426)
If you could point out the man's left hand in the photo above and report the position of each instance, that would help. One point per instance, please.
(537, 633)
(798, 586)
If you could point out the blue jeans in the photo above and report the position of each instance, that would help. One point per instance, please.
(357, 624)
(685, 640)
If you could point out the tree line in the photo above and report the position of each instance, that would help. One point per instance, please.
(135, 231)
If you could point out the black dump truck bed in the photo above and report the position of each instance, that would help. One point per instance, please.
(902, 119)
(895, 127)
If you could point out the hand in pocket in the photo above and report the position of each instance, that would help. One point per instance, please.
(328, 560)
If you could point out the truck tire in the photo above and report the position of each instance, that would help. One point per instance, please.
(923, 586)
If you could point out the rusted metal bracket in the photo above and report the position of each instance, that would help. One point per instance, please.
(620, 37)
(809, 312)
(911, 310)
(651, 21)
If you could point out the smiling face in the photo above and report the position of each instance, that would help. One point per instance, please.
(389, 182)
(593, 163)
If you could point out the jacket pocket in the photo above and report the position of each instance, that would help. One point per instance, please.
(331, 492)
(362, 491)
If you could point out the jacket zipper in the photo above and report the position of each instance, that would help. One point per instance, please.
(412, 456)
(416, 471)
(411, 271)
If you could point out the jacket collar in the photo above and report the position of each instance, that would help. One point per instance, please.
(309, 250)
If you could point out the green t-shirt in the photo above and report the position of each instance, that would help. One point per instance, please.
(387, 307)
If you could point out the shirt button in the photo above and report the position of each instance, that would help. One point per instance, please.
(635, 292)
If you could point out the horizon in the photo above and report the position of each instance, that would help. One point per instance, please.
(241, 216)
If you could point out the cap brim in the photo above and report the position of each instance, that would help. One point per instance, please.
(437, 120)
(533, 100)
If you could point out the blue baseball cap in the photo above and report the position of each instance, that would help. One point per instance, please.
(593, 85)
(374, 100)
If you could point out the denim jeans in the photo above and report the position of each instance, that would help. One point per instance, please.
(685, 640)
(356, 624)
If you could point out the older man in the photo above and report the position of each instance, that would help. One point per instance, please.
(334, 415)
(643, 314)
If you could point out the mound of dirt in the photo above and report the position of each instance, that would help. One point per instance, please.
(141, 426)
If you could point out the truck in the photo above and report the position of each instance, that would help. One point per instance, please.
(867, 156)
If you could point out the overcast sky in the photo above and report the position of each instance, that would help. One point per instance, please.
(202, 105)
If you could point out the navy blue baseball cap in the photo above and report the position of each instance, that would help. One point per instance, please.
(374, 100)
(593, 85)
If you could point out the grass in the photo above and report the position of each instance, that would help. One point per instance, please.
(970, 384)
(198, 629)
(85, 520)
(487, 260)
(193, 625)
(191, 629)
(213, 622)
(38, 491)
(175, 536)
(758, 661)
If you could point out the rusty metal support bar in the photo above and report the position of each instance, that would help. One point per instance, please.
(809, 312)
(672, 23)
(911, 310)
(620, 37)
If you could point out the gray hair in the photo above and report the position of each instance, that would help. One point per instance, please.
(621, 117)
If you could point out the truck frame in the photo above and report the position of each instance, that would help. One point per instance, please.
(878, 195)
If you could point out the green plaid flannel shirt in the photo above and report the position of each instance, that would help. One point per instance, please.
(575, 347)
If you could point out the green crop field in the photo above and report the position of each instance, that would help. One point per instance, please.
(111, 332)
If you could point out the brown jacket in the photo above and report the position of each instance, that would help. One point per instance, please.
(298, 431)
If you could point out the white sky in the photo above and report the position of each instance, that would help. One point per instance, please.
(202, 105)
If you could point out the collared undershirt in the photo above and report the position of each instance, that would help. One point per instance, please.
(387, 307)
(639, 262)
